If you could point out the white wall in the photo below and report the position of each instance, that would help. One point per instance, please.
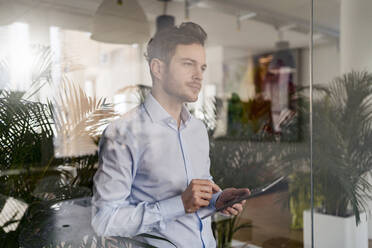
(214, 72)
(326, 64)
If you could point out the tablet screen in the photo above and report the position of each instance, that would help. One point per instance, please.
(254, 192)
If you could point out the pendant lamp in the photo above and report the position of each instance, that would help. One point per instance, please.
(122, 22)
(164, 21)
(282, 57)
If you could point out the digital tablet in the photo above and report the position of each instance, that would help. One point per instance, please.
(255, 192)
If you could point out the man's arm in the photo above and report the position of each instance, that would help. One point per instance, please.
(112, 213)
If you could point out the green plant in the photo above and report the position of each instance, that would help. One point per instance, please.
(240, 164)
(26, 138)
(225, 227)
(243, 163)
(299, 192)
(342, 136)
(252, 120)
(79, 120)
(30, 172)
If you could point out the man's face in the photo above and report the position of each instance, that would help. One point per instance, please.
(184, 75)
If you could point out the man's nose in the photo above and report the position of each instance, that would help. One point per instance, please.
(198, 74)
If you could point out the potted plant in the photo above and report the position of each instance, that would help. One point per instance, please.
(342, 137)
(224, 228)
(239, 163)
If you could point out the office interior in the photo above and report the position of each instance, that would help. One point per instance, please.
(287, 92)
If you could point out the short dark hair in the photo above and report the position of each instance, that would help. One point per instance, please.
(163, 45)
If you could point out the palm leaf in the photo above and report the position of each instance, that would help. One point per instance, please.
(41, 68)
(146, 235)
(24, 127)
(242, 226)
(78, 120)
(4, 73)
(342, 137)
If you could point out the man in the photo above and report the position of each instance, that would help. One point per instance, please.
(153, 174)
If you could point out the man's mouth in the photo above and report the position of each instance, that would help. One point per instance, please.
(195, 86)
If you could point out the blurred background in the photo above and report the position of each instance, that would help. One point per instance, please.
(68, 68)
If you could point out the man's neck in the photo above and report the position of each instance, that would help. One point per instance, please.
(171, 105)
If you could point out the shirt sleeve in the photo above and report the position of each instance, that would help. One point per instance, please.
(112, 212)
(212, 203)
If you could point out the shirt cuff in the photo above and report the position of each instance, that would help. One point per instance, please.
(212, 203)
(171, 208)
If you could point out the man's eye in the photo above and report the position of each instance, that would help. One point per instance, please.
(187, 63)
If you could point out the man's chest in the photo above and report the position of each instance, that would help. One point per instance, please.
(169, 160)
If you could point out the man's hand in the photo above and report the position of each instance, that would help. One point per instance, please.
(198, 194)
(228, 195)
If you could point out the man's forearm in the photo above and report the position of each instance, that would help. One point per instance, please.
(110, 219)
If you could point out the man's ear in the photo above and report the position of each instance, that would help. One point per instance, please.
(157, 68)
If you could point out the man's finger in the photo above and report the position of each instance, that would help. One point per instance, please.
(238, 207)
(207, 189)
(215, 188)
(202, 203)
(205, 196)
(226, 212)
(201, 181)
(206, 182)
(232, 211)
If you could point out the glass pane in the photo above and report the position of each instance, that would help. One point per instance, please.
(98, 147)
(342, 125)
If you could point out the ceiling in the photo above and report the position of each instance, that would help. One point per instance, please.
(218, 17)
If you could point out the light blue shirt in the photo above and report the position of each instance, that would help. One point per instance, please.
(145, 163)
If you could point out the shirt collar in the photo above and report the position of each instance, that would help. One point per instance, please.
(158, 114)
(185, 115)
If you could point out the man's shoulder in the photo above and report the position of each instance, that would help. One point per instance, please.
(198, 127)
(197, 123)
(125, 123)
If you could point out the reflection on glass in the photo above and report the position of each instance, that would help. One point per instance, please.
(342, 127)
(60, 89)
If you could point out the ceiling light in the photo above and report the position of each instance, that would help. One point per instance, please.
(123, 23)
(247, 16)
(164, 20)
(244, 17)
(282, 58)
(287, 27)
